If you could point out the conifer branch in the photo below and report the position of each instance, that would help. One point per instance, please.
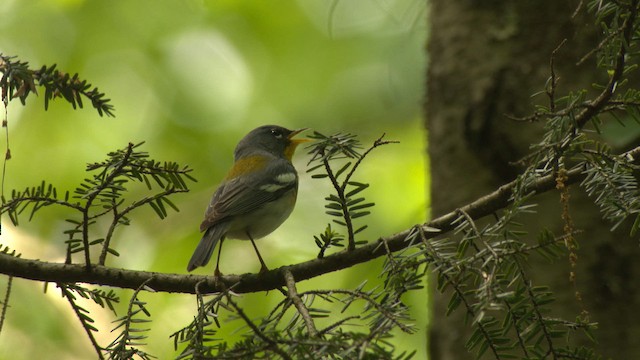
(162, 282)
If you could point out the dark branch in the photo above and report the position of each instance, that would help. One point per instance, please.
(618, 70)
(102, 275)
(299, 304)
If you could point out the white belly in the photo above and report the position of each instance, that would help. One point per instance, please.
(263, 221)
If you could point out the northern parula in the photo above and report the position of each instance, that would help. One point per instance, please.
(255, 197)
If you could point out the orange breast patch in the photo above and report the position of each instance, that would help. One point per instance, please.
(247, 165)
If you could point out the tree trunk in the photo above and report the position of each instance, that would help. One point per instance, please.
(486, 59)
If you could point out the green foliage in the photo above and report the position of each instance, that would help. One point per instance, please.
(327, 239)
(200, 334)
(102, 196)
(283, 333)
(124, 345)
(101, 297)
(346, 204)
(612, 181)
(5, 301)
(83, 315)
(105, 195)
(19, 81)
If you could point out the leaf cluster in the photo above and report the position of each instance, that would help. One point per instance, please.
(102, 196)
(102, 298)
(359, 329)
(106, 195)
(346, 204)
(125, 345)
(19, 81)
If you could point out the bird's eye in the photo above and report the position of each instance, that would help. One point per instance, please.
(276, 133)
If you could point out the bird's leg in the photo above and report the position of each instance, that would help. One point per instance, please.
(216, 273)
(263, 266)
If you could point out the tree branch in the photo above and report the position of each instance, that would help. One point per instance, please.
(299, 304)
(132, 279)
(594, 106)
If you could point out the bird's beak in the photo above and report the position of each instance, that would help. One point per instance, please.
(298, 141)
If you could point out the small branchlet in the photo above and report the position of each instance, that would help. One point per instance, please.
(19, 81)
(199, 335)
(83, 315)
(5, 301)
(346, 204)
(328, 239)
(124, 346)
(104, 298)
(102, 196)
(290, 330)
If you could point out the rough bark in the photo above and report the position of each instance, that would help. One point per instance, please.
(486, 59)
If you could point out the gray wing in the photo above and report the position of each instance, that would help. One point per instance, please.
(243, 194)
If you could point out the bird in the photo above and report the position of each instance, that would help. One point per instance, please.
(257, 195)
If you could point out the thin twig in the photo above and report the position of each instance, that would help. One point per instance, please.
(299, 304)
(119, 215)
(599, 46)
(93, 195)
(577, 10)
(83, 319)
(361, 295)
(538, 314)
(337, 324)
(5, 302)
(343, 204)
(460, 292)
(7, 156)
(48, 201)
(627, 29)
(378, 142)
(553, 79)
(273, 345)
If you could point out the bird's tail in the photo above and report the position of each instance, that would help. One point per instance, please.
(205, 247)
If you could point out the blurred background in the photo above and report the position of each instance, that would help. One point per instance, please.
(190, 78)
